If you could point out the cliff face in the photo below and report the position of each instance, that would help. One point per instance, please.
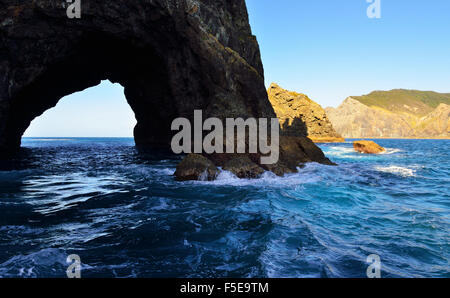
(390, 119)
(436, 123)
(171, 56)
(300, 115)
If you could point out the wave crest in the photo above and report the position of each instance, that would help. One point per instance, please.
(397, 170)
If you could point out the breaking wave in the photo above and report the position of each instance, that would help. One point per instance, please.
(125, 215)
(402, 171)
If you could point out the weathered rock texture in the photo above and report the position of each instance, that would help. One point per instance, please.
(393, 114)
(298, 113)
(171, 57)
(243, 167)
(196, 167)
(368, 147)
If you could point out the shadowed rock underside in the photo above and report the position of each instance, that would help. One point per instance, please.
(171, 57)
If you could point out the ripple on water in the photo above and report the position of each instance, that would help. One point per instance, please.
(124, 214)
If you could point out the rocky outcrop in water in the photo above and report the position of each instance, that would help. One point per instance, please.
(294, 153)
(298, 113)
(393, 114)
(171, 56)
(196, 167)
(368, 147)
(243, 167)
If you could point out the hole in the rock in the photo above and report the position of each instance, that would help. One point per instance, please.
(100, 111)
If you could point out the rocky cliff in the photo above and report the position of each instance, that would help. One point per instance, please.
(393, 114)
(298, 113)
(171, 57)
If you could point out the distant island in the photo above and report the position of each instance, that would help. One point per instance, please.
(397, 113)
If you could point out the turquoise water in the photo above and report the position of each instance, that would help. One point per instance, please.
(122, 212)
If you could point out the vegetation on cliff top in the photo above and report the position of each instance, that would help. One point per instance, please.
(401, 100)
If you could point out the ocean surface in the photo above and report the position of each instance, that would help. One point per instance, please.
(122, 212)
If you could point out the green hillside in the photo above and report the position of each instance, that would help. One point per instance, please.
(401, 100)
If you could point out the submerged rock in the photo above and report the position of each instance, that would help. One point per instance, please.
(196, 167)
(368, 147)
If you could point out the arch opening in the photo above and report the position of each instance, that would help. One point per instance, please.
(100, 111)
(142, 73)
(171, 57)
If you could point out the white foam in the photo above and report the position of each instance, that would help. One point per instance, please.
(391, 151)
(397, 170)
(305, 175)
(349, 152)
(342, 149)
(166, 171)
(341, 152)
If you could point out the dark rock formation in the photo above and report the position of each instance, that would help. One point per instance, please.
(299, 150)
(196, 167)
(243, 167)
(368, 147)
(297, 112)
(171, 57)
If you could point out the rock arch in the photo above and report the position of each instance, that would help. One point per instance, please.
(171, 56)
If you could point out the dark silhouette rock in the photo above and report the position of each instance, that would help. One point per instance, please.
(299, 150)
(243, 167)
(171, 57)
(196, 167)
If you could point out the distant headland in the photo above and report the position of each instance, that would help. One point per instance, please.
(398, 113)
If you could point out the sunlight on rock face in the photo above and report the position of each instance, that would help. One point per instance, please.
(100, 111)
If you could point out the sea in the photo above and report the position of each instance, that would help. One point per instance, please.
(122, 213)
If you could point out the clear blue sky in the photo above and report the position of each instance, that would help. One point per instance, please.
(100, 111)
(328, 49)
